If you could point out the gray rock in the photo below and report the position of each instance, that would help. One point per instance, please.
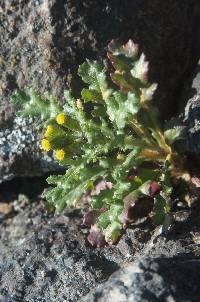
(195, 87)
(192, 86)
(191, 95)
(43, 42)
(152, 280)
(20, 152)
(47, 258)
(192, 120)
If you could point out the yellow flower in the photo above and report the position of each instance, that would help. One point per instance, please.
(46, 145)
(61, 118)
(49, 131)
(120, 156)
(60, 154)
(79, 104)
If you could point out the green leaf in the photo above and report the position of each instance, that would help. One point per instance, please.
(121, 81)
(20, 98)
(159, 210)
(113, 232)
(104, 220)
(118, 62)
(71, 186)
(109, 222)
(93, 73)
(90, 95)
(144, 188)
(70, 106)
(121, 108)
(32, 104)
(173, 134)
(112, 135)
(121, 189)
(102, 199)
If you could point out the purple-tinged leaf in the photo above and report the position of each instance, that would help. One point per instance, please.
(102, 185)
(196, 181)
(127, 214)
(117, 63)
(154, 188)
(132, 174)
(91, 217)
(136, 208)
(130, 49)
(150, 188)
(96, 237)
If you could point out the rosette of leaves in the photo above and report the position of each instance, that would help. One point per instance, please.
(110, 135)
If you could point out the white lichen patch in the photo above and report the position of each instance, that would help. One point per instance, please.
(13, 141)
(20, 141)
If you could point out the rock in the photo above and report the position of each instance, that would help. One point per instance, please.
(20, 152)
(152, 280)
(189, 115)
(45, 257)
(43, 42)
(192, 120)
(191, 96)
(192, 87)
(195, 86)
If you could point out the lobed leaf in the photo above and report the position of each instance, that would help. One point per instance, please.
(116, 155)
(32, 104)
(120, 108)
(173, 134)
(93, 74)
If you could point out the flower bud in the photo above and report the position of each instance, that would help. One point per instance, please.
(46, 145)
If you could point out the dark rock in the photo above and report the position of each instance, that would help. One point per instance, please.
(152, 280)
(43, 42)
(47, 258)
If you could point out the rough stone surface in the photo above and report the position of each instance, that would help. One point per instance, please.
(192, 111)
(20, 152)
(47, 258)
(43, 42)
(152, 280)
(192, 120)
(195, 87)
(192, 86)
